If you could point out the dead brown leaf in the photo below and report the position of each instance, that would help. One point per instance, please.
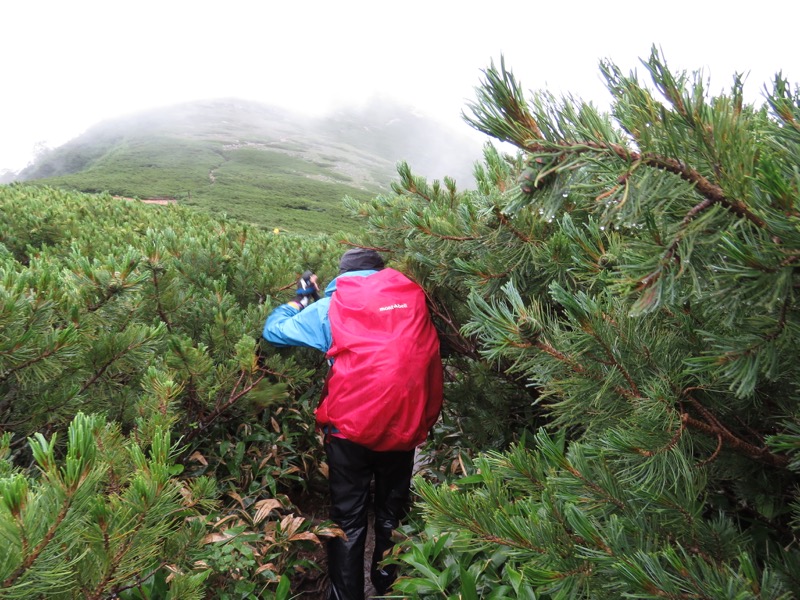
(264, 507)
(305, 535)
(196, 456)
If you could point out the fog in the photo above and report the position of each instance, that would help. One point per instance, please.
(70, 65)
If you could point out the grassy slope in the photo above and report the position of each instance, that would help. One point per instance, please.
(249, 161)
(259, 186)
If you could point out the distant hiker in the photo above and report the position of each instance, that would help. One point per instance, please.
(382, 395)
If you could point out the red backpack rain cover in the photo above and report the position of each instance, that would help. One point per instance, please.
(385, 387)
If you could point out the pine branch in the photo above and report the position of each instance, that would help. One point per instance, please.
(579, 369)
(507, 223)
(672, 251)
(702, 185)
(114, 358)
(472, 524)
(138, 580)
(235, 395)
(713, 427)
(116, 560)
(463, 345)
(107, 296)
(191, 386)
(162, 315)
(668, 446)
(592, 485)
(613, 362)
(453, 238)
(710, 426)
(45, 354)
(30, 558)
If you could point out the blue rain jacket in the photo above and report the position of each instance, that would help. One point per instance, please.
(310, 327)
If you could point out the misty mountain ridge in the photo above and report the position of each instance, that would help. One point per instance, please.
(390, 131)
(243, 158)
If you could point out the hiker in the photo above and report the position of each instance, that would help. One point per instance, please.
(381, 397)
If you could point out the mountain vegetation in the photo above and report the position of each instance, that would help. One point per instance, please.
(617, 308)
(255, 162)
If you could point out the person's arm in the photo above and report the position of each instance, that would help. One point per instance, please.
(288, 325)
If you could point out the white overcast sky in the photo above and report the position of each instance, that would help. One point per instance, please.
(68, 64)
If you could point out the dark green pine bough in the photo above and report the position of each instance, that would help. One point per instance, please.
(129, 342)
(638, 271)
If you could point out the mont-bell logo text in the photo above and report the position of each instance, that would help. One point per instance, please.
(393, 306)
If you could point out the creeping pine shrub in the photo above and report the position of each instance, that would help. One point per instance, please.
(638, 271)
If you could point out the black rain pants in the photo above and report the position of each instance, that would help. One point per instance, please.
(351, 468)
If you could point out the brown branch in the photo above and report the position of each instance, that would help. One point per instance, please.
(669, 445)
(159, 307)
(138, 581)
(115, 288)
(671, 253)
(703, 186)
(461, 344)
(713, 427)
(615, 363)
(116, 559)
(440, 236)
(790, 260)
(99, 373)
(607, 193)
(102, 302)
(31, 558)
(412, 188)
(714, 455)
(580, 369)
(577, 367)
(232, 399)
(504, 221)
(46, 354)
(486, 277)
(593, 486)
(288, 286)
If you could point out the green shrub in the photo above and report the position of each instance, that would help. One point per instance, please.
(637, 273)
